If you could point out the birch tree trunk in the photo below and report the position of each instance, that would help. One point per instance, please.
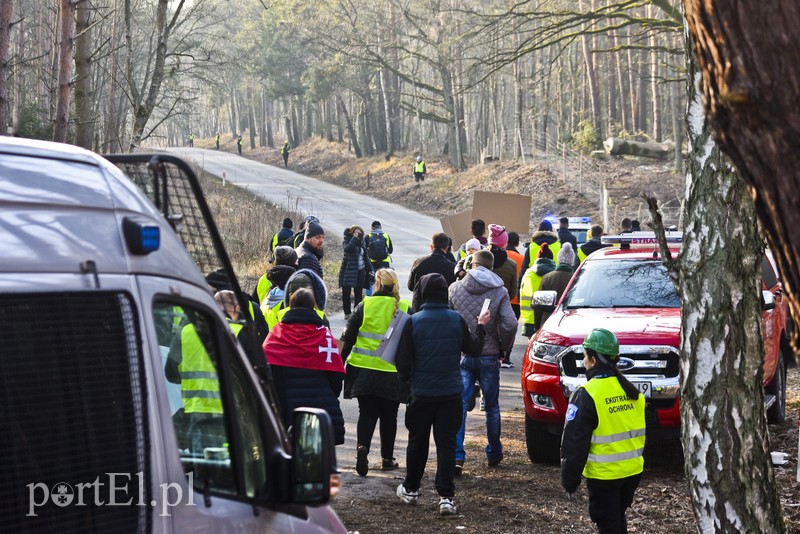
(723, 420)
(67, 20)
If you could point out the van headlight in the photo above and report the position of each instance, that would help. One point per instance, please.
(545, 352)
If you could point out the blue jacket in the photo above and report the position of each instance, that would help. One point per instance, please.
(429, 354)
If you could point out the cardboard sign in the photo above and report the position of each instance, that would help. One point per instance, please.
(511, 211)
(458, 227)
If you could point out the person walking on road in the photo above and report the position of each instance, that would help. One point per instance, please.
(531, 280)
(428, 357)
(281, 237)
(437, 262)
(369, 378)
(379, 246)
(239, 144)
(420, 170)
(604, 435)
(356, 268)
(556, 280)
(513, 253)
(216, 141)
(285, 153)
(467, 297)
(191, 140)
(310, 251)
(544, 234)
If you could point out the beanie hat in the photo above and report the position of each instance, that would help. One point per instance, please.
(310, 218)
(314, 229)
(279, 275)
(498, 236)
(545, 226)
(310, 279)
(566, 255)
(285, 256)
(376, 224)
(473, 244)
(218, 280)
(545, 252)
(433, 288)
(287, 223)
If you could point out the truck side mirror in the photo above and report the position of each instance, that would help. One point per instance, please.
(767, 300)
(313, 456)
(544, 301)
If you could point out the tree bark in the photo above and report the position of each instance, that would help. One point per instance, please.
(723, 418)
(350, 129)
(617, 147)
(6, 10)
(84, 97)
(67, 20)
(751, 79)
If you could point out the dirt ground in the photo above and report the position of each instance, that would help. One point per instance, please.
(518, 496)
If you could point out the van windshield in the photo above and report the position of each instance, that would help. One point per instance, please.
(633, 283)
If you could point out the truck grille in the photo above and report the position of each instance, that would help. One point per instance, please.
(642, 362)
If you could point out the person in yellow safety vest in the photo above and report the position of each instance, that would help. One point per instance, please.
(216, 141)
(239, 144)
(420, 170)
(370, 379)
(530, 284)
(544, 234)
(191, 140)
(593, 244)
(604, 435)
(284, 256)
(301, 278)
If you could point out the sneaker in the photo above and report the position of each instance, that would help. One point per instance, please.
(408, 497)
(496, 461)
(506, 364)
(362, 464)
(446, 506)
(389, 464)
(459, 467)
(476, 392)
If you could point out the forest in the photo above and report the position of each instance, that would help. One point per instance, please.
(470, 80)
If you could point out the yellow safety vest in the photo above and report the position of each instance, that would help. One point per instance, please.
(199, 382)
(530, 284)
(419, 167)
(276, 313)
(581, 255)
(617, 446)
(378, 312)
(533, 252)
(262, 288)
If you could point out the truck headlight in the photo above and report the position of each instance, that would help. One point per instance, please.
(545, 352)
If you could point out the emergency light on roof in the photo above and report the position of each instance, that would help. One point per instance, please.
(640, 238)
(572, 220)
(141, 237)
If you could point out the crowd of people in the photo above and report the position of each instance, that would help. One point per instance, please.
(435, 352)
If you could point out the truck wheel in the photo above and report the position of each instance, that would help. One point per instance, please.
(776, 414)
(543, 446)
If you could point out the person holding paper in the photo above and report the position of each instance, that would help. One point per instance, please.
(371, 378)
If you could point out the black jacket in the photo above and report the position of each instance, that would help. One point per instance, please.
(437, 262)
(592, 245)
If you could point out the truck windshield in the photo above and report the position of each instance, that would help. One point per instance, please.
(622, 284)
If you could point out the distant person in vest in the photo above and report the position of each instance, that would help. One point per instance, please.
(530, 284)
(285, 153)
(305, 361)
(310, 251)
(191, 140)
(420, 170)
(239, 144)
(379, 252)
(369, 378)
(593, 244)
(429, 358)
(216, 141)
(604, 435)
(544, 234)
(356, 268)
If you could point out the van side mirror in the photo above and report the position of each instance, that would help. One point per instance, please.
(313, 456)
(544, 301)
(767, 300)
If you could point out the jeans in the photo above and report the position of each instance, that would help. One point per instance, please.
(486, 371)
(371, 408)
(442, 415)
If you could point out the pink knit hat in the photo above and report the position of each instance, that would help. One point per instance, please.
(498, 235)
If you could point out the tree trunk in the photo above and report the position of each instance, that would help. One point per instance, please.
(251, 119)
(350, 129)
(723, 419)
(591, 77)
(6, 10)
(758, 133)
(67, 19)
(84, 97)
(617, 147)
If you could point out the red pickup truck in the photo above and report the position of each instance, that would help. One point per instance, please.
(627, 290)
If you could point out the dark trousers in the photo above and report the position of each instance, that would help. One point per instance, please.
(370, 409)
(608, 500)
(444, 416)
(357, 292)
(286, 160)
(239, 147)
(419, 176)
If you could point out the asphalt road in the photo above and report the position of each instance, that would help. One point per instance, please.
(338, 208)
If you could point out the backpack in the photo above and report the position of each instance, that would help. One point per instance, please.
(377, 249)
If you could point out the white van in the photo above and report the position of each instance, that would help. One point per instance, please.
(127, 403)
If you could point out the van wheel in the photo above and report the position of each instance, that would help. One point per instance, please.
(543, 446)
(776, 414)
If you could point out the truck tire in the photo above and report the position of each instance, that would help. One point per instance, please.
(543, 446)
(776, 414)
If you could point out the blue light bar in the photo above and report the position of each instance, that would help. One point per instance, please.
(142, 237)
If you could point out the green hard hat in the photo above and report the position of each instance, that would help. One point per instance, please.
(602, 341)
